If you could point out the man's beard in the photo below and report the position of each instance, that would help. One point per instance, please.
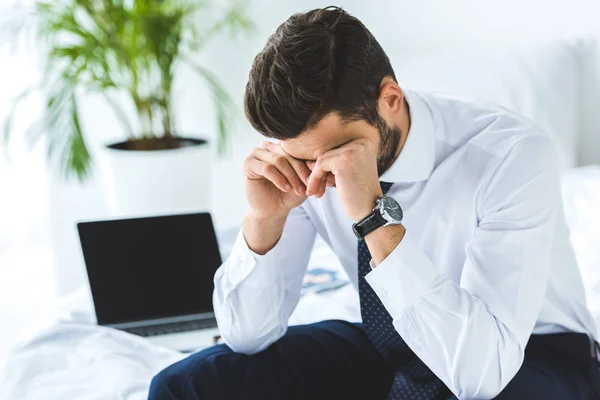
(389, 140)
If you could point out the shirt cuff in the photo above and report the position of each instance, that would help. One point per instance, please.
(242, 261)
(403, 277)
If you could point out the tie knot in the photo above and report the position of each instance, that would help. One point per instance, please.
(385, 186)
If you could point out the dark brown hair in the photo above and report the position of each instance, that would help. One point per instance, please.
(321, 61)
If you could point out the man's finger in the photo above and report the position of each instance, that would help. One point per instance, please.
(348, 147)
(320, 171)
(284, 167)
(330, 179)
(257, 169)
(299, 165)
(330, 176)
(314, 182)
(322, 187)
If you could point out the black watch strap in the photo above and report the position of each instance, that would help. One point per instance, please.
(368, 224)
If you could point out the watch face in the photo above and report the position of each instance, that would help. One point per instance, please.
(391, 210)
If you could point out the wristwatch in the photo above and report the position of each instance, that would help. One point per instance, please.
(387, 211)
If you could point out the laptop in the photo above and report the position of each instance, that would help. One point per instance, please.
(153, 277)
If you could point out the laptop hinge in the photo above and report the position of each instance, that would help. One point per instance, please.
(161, 321)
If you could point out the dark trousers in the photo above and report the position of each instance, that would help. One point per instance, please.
(335, 360)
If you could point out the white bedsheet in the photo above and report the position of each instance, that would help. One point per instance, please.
(76, 360)
(72, 358)
(581, 195)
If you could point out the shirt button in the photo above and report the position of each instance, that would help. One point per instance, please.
(384, 294)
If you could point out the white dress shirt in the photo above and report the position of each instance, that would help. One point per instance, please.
(486, 260)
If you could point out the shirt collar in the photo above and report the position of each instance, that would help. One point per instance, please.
(416, 160)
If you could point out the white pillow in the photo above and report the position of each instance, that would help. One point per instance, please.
(581, 195)
(540, 82)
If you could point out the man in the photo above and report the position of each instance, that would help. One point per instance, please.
(446, 215)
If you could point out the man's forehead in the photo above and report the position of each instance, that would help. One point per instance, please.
(329, 133)
(305, 149)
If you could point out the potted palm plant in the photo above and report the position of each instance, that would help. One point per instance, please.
(129, 52)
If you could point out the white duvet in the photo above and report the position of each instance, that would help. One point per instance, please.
(77, 360)
(72, 358)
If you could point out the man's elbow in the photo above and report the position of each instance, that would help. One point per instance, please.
(488, 380)
(482, 390)
(244, 332)
(251, 342)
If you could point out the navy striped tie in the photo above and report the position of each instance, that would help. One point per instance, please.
(413, 380)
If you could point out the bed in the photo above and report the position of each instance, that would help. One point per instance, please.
(555, 84)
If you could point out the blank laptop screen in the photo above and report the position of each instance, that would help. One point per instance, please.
(147, 268)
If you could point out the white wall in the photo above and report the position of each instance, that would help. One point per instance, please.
(404, 28)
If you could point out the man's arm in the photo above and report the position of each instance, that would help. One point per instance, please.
(258, 287)
(256, 294)
(473, 335)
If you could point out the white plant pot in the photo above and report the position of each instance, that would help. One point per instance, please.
(145, 183)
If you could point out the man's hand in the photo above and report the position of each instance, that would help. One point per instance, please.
(275, 181)
(275, 184)
(354, 169)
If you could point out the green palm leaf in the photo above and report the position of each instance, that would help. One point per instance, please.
(62, 128)
(116, 47)
(8, 122)
(222, 102)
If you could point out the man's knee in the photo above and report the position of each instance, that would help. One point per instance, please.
(536, 381)
(170, 383)
(183, 379)
(164, 386)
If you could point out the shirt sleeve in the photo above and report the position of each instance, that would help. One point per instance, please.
(255, 294)
(472, 335)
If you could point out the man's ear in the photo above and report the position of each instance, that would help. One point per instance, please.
(391, 98)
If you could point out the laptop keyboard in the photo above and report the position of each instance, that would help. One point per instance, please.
(176, 327)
